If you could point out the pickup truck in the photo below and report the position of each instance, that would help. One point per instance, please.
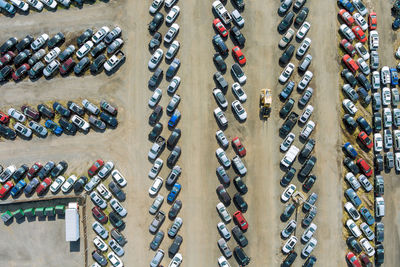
(290, 156)
(288, 124)
(222, 13)
(114, 61)
(157, 148)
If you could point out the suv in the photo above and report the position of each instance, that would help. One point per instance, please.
(307, 148)
(307, 167)
(241, 256)
(239, 236)
(289, 124)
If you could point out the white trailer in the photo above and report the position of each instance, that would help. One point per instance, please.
(72, 222)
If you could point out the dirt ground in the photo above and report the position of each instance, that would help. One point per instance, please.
(127, 145)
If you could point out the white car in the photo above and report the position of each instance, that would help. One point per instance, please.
(239, 110)
(116, 247)
(360, 21)
(304, 46)
(51, 68)
(379, 207)
(386, 96)
(69, 183)
(84, 49)
(385, 75)
(222, 262)
(220, 98)
(106, 169)
(290, 156)
(349, 106)
(92, 183)
(373, 40)
(100, 230)
(100, 244)
(156, 186)
(220, 115)
(309, 232)
(237, 18)
(92, 108)
(306, 114)
(55, 186)
(39, 129)
(222, 138)
(396, 137)
(222, 157)
(116, 205)
(239, 165)
(103, 191)
(223, 230)
(307, 129)
(169, 3)
(176, 260)
(238, 92)
(395, 97)
(155, 170)
(114, 260)
(303, 30)
(155, 6)
(367, 247)
(172, 14)
(365, 183)
(289, 245)
(100, 34)
(287, 38)
(98, 200)
(35, 4)
(80, 123)
(174, 84)
(286, 73)
(223, 212)
(352, 211)
(20, 5)
(172, 50)
(309, 247)
(16, 115)
(307, 77)
(155, 59)
(155, 98)
(22, 130)
(155, 206)
(378, 142)
(359, 5)
(7, 173)
(65, 3)
(172, 33)
(287, 142)
(289, 229)
(53, 54)
(39, 42)
(347, 33)
(397, 161)
(352, 180)
(367, 231)
(362, 51)
(353, 228)
(288, 192)
(363, 66)
(376, 80)
(50, 3)
(387, 118)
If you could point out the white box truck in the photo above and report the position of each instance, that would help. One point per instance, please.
(72, 222)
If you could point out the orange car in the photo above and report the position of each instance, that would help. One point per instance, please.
(372, 21)
(220, 27)
(360, 34)
(237, 52)
(350, 63)
(346, 17)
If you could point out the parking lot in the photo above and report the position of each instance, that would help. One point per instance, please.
(127, 145)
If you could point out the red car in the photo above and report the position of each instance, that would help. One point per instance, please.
(67, 66)
(372, 21)
(365, 139)
(240, 221)
(95, 167)
(220, 27)
(348, 47)
(21, 72)
(365, 168)
(237, 52)
(7, 58)
(34, 170)
(352, 259)
(346, 17)
(99, 215)
(43, 186)
(360, 34)
(6, 188)
(350, 63)
(237, 145)
(4, 118)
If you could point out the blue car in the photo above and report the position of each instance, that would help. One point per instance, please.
(353, 197)
(396, 24)
(394, 77)
(346, 4)
(174, 193)
(287, 90)
(54, 127)
(18, 188)
(350, 150)
(173, 121)
(367, 216)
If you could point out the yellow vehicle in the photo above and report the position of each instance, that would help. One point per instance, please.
(265, 102)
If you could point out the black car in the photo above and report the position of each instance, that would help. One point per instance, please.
(289, 259)
(239, 4)
(239, 236)
(155, 115)
(287, 212)
(20, 173)
(380, 254)
(100, 48)
(365, 97)
(286, 22)
(98, 64)
(173, 156)
(377, 122)
(241, 256)
(24, 43)
(155, 78)
(351, 165)
(5, 72)
(155, 132)
(59, 169)
(110, 120)
(8, 45)
(288, 176)
(307, 148)
(85, 36)
(220, 80)
(79, 185)
(219, 62)
(220, 44)
(75, 108)
(63, 111)
(99, 257)
(309, 182)
(301, 16)
(174, 248)
(117, 191)
(237, 36)
(155, 41)
(22, 57)
(45, 111)
(310, 262)
(378, 161)
(240, 203)
(287, 55)
(57, 40)
(307, 167)
(116, 220)
(82, 65)
(349, 77)
(289, 123)
(157, 21)
(67, 126)
(350, 122)
(364, 81)
(286, 108)
(379, 232)
(364, 125)
(37, 70)
(353, 244)
(240, 185)
(44, 172)
(157, 239)
(7, 132)
(173, 138)
(175, 208)
(64, 55)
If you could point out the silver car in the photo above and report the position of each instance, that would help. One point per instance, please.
(155, 262)
(106, 169)
(221, 155)
(37, 128)
(239, 166)
(224, 248)
(90, 107)
(158, 201)
(222, 138)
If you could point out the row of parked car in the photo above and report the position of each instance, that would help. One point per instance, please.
(20, 58)
(26, 122)
(24, 6)
(362, 237)
(291, 151)
(160, 143)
